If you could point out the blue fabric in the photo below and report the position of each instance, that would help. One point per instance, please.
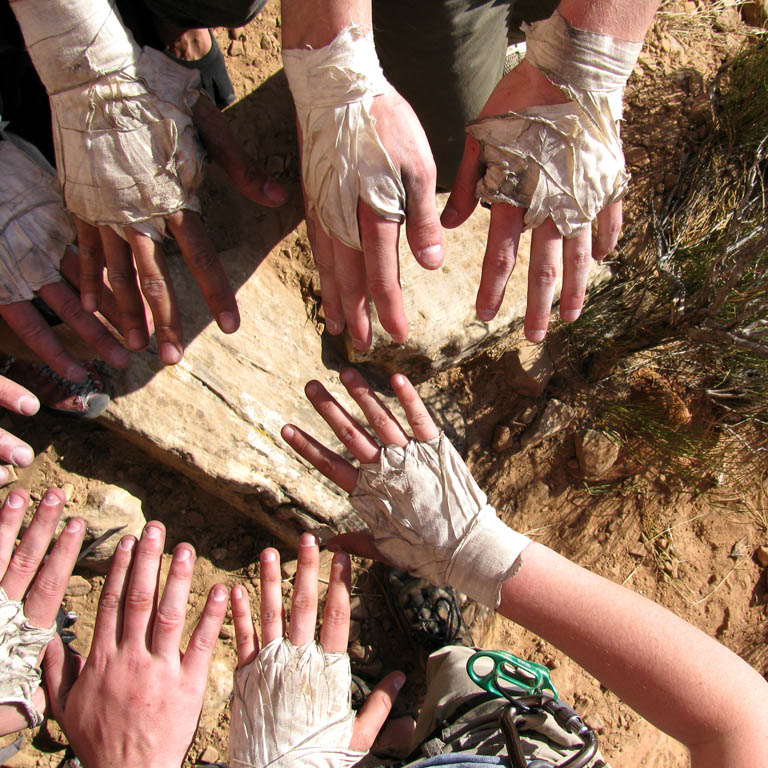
(459, 760)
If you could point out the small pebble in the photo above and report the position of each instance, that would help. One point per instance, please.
(208, 755)
(219, 553)
(69, 490)
(77, 586)
(227, 632)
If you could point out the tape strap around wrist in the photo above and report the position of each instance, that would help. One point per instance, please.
(579, 58)
(343, 159)
(488, 555)
(74, 42)
(20, 647)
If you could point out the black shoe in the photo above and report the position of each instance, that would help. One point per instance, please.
(214, 77)
(431, 615)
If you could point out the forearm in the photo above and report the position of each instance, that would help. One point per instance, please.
(315, 23)
(625, 19)
(677, 677)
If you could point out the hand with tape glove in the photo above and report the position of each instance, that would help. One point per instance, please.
(366, 169)
(291, 702)
(137, 698)
(37, 258)
(32, 584)
(425, 512)
(545, 154)
(129, 129)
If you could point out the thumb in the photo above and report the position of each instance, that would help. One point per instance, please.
(462, 201)
(60, 670)
(375, 711)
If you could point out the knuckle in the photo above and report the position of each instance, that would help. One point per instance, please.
(347, 435)
(201, 259)
(271, 616)
(109, 601)
(154, 288)
(139, 600)
(580, 258)
(23, 563)
(203, 642)
(303, 603)
(379, 421)
(49, 585)
(168, 619)
(546, 275)
(501, 261)
(336, 616)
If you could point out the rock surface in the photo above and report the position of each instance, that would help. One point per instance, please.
(596, 453)
(555, 417)
(216, 416)
(108, 507)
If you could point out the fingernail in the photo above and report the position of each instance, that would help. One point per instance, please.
(152, 532)
(268, 556)
(275, 191)
(360, 346)
(51, 498)
(398, 380)
(135, 340)
(398, 680)
(569, 315)
(312, 388)
(28, 405)
(307, 540)
(333, 327)
(89, 302)
(14, 501)
(22, 456)
(288, 432)
(431, 257)
(170, 354)
(227, 322)
(182, 554)
(485, 314)
(535, 336)
(219, 593)
(127, 543)
(449, 218)
(237, 592)
(73, 525)
(399, 338)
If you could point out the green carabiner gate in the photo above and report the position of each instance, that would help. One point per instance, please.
(526, 676)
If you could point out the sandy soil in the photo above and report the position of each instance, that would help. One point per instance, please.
(692, 553)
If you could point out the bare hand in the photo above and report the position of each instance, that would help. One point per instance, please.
(334, 633)
(138, 698)
(348, 277)
(138, 267)
(524, 87)
(40, 590)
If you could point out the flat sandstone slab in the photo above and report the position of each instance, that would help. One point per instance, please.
(217, 415)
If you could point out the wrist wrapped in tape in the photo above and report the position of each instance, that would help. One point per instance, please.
(563, 161)
(20, 648)
(343, 159)
(35, 228)
(127, 151)
(428, 516)
(291, 709)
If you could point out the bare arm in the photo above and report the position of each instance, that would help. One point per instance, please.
(678, 678)
(626, 19)
(317, 22)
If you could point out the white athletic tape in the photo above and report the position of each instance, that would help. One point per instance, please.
(35, 229)
(291, 709)
(127, 151)
(563, 161)
(428, 516)
(20, 648)
(343, 159)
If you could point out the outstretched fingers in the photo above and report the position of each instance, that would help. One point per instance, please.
(420, 421)
(172, 608)
(383, 423)
(324, 460)
(271, 613)
(202, 643)
(246, 639)
(334, 633)
(301, 628)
